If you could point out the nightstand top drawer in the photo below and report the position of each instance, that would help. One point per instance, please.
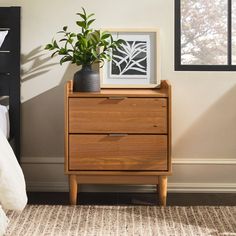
(118, 115)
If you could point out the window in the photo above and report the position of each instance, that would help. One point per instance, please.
(205, 35)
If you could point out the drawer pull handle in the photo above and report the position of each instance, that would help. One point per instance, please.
(118, 135)
(116, 98)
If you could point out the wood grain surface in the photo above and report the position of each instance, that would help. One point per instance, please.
(118, 115)
(157, 92)
(131, 152)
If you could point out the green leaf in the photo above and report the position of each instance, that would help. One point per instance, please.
(54, 53)
(121, 41)
(78, 45)
(79, 36)
(90, 15)
(105, 36)
(65, 59)
(55, 45)
(87, 32)
(97, 32)
(108, 57)
(84, 12)
(95, 37)
(49, 47)
(95, 54)
(65, 28)
(62, 51)
(61, 40)
(82, 16)
(90, 22)
(84, 41)
(82, 24)
(70, 40)
(72, 35)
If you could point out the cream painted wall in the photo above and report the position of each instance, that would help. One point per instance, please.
(204, 114)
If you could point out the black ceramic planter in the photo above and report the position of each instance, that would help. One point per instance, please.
(86, 80)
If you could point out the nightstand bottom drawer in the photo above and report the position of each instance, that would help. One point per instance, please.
(118, 152)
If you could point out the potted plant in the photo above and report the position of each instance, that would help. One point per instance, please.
(84, 49)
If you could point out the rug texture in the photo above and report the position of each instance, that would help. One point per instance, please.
(122, 220)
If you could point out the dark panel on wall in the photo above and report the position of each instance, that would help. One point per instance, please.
(10, 70)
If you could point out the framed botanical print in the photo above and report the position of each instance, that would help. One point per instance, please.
(136, 64)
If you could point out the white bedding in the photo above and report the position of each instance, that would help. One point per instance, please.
(3, 222)
(12, 183)
(4, 121)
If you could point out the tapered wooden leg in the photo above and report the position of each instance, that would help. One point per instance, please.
(73, 189)
(162, 187)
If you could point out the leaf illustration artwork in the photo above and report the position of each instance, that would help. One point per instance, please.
(130, 59)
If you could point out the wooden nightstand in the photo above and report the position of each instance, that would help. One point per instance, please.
(118, 136)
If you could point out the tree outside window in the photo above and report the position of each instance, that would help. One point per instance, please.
(205, 34)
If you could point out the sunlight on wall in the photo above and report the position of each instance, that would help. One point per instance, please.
(199, 98)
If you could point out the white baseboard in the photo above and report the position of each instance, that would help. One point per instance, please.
(189, 175)
(172, 187)
(205, 161)
(202, 187)
(177, 161)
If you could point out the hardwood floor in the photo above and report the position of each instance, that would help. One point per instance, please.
(173, 199)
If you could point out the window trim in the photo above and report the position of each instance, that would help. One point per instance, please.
(179, 66)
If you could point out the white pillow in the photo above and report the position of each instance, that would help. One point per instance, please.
(4, 121)
(12, 183)
(3, 222)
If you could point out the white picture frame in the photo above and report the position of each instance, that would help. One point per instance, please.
(136, 64)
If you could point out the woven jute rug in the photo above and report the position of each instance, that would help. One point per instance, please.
(122, 220)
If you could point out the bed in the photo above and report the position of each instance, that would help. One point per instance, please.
(10, 70)
(12, 183)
